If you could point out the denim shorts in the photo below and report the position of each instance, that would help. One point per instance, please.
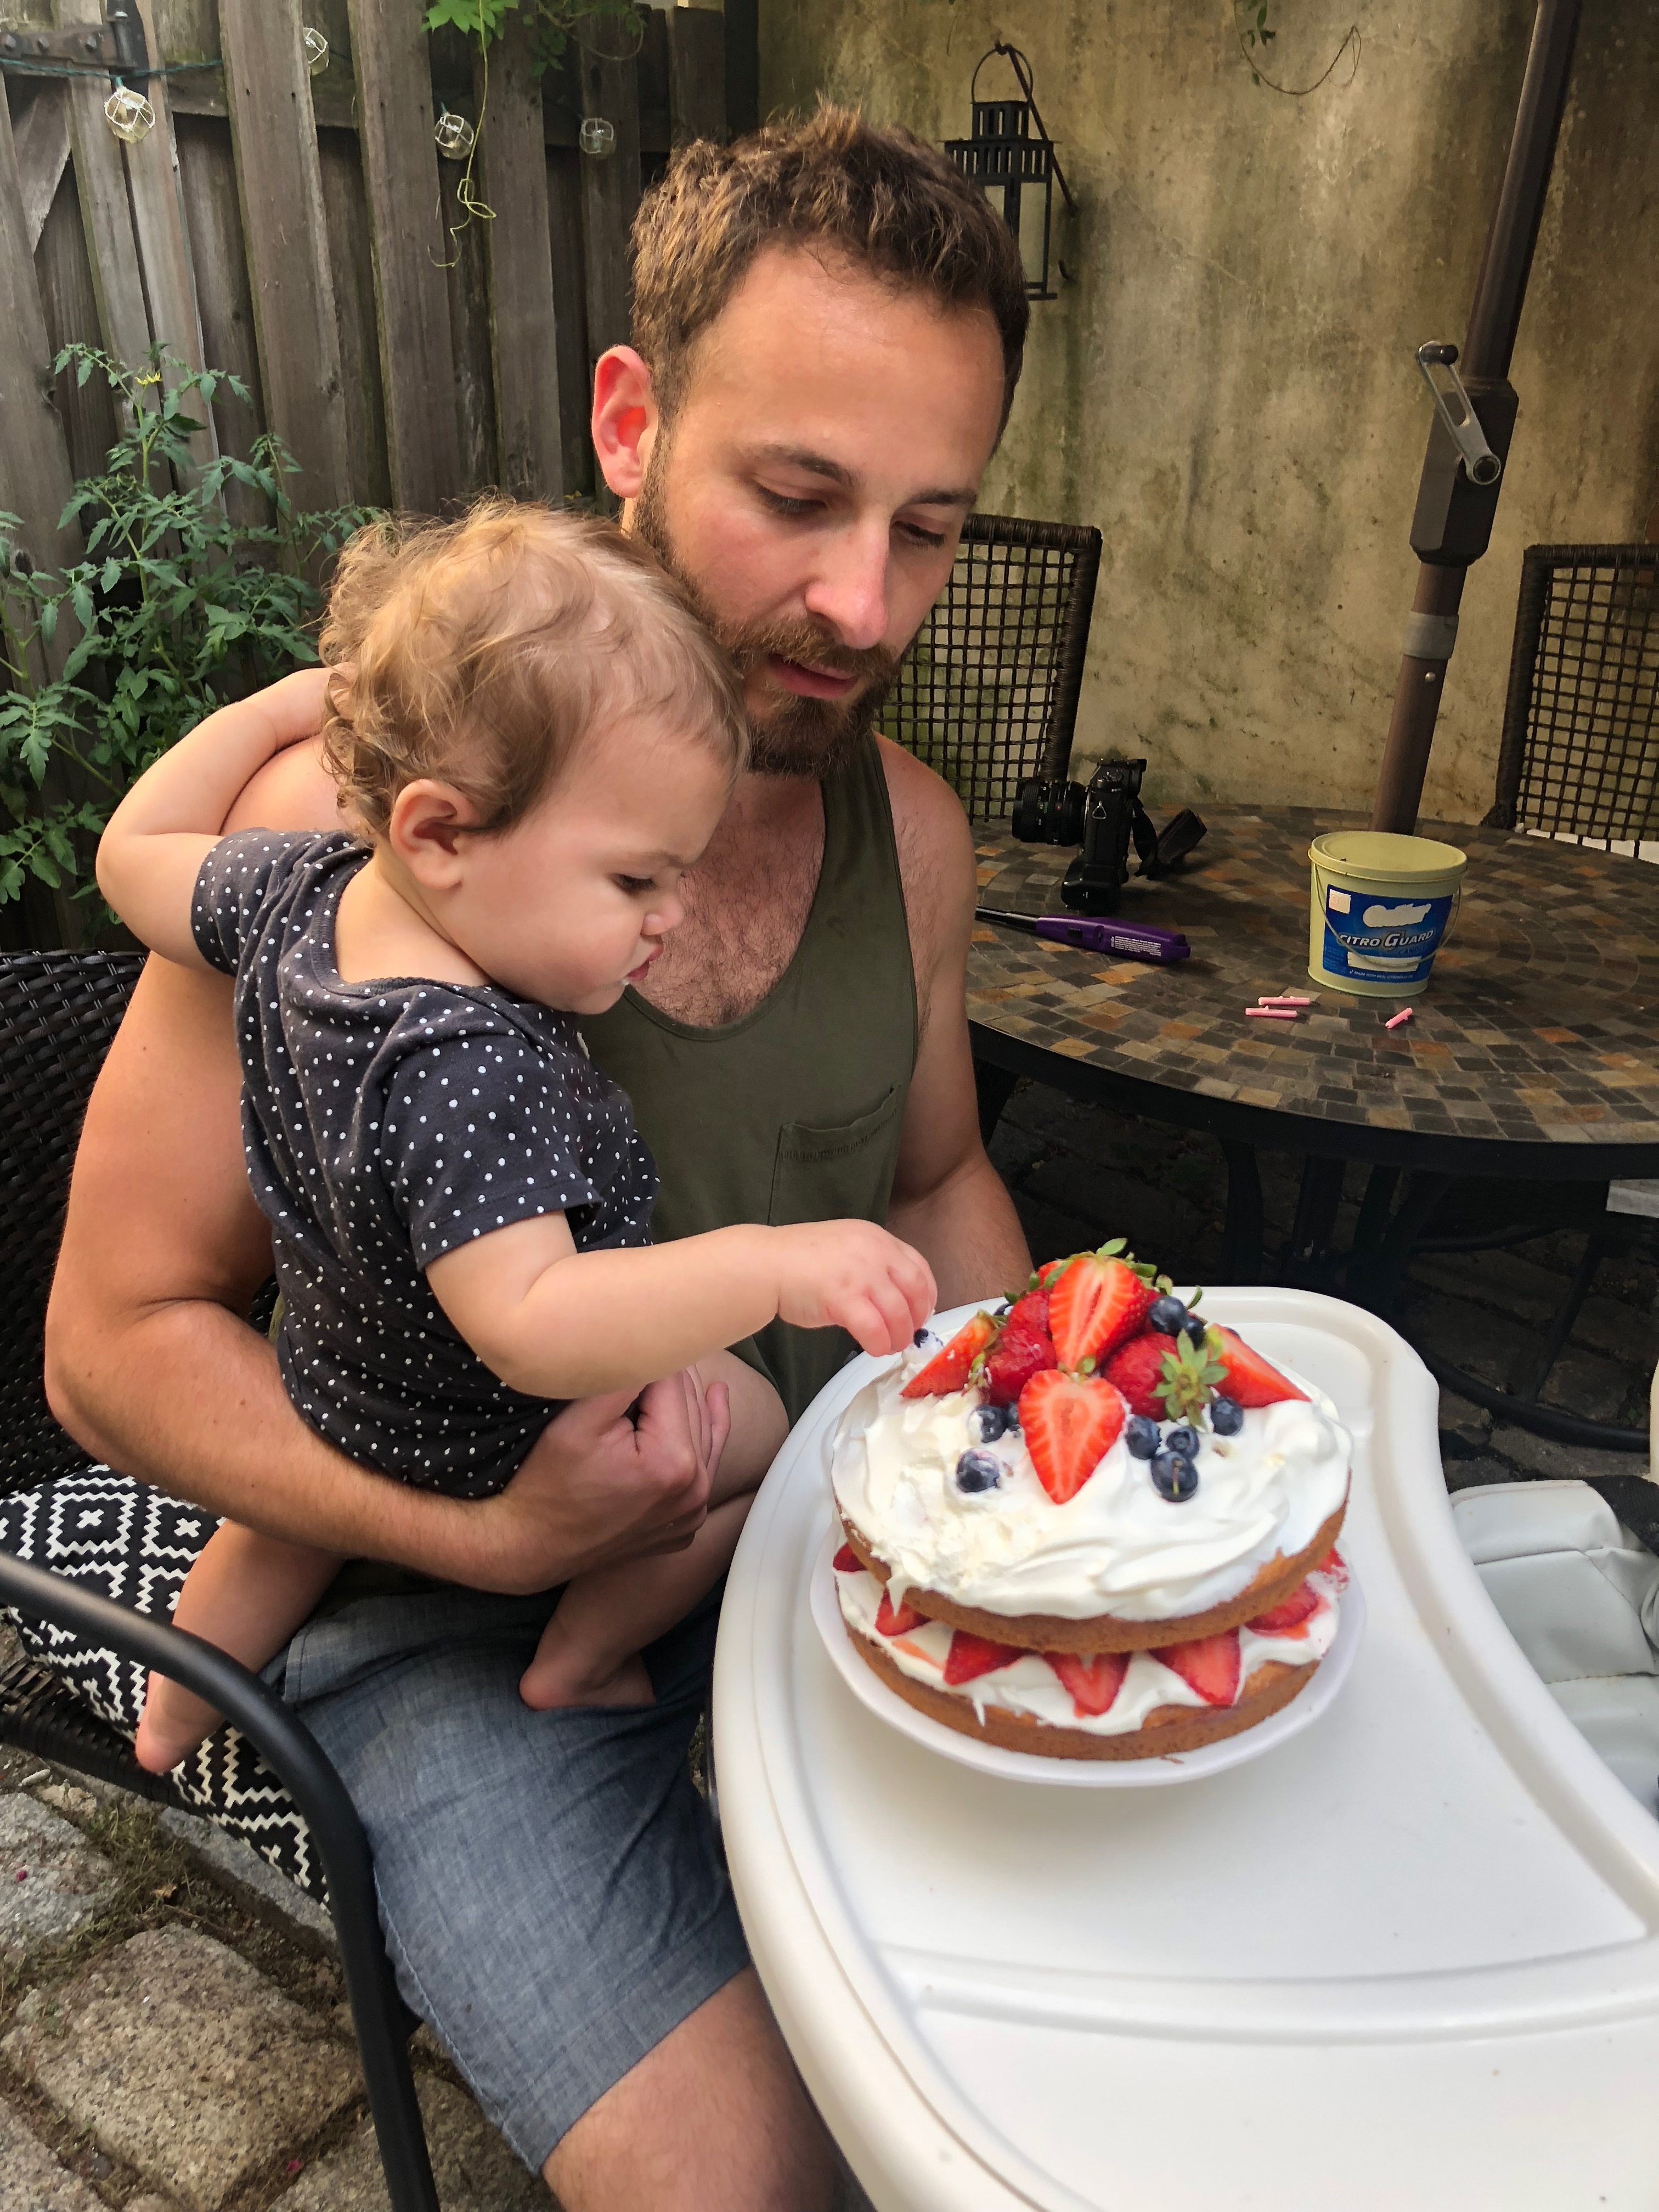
(551, 1889)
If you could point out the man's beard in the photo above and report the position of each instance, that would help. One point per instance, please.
(800, 736)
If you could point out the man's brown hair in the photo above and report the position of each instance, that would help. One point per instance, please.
(885, 200)
(484, 651)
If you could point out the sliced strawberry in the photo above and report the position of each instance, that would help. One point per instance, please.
(969, 1655)
(893, 1620)
(1283, 1619)
(1070, 1423)
(1096, 1306)
(1021, 1351)
(1246, 1378)
(1334, 1568)
(847, 1561)
(1094, 1681)
(1209, 1664)
(947, 1371)
(1137, 1369)
(1047, 1273)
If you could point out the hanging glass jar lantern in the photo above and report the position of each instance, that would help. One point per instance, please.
(597, 137)
(316, 49)
(453, 136)
(129, 114)
(1010, 156)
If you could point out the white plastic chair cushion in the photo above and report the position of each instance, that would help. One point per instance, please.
(1580, 1595)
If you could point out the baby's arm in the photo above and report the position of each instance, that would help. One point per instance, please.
(554, 1323)
(150, 854)
(247, 1593)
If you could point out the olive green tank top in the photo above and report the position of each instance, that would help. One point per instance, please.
(792, 1113)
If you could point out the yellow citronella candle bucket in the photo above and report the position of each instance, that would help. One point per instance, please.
(1380, 905)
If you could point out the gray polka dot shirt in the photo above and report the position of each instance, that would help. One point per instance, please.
(386, 1123)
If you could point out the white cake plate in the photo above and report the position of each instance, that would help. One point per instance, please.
(873, 1694)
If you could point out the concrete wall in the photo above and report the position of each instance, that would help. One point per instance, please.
(1228, 388)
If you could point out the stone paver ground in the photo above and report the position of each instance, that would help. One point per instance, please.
(173, 2030)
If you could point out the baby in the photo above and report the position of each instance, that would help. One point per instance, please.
(533, 739)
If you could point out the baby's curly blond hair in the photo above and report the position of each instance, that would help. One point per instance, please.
(483, 651)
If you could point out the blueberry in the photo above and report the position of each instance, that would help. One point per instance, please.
(1166, 1314)
(1226, 1416)
(987, 1423)
(1183, 1440)
(1141, 1436)
(977, 1471)
(920, 1338)
(1174, 1476)
(1195, 1326)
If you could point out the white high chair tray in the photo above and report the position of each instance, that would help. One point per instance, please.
(1408, 1958)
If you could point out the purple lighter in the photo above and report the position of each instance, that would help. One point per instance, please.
(1134, 939)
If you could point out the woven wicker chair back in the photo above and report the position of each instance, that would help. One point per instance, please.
(1580, 751)
(988, 695)
(59, 1011)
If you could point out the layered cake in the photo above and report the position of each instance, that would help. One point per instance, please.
(1093, 1524)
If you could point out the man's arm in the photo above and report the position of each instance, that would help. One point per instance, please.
(948, 1200)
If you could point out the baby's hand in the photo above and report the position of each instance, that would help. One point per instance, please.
(852, 1275)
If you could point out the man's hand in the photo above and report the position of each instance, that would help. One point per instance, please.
(599, 1487)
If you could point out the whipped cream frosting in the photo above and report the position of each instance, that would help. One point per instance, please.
(1028, 1685)
(1116, 1546)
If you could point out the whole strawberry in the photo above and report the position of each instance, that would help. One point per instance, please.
(1023, 1350)
(1137, 1370)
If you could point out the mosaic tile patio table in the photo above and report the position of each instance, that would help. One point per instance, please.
(1533, 1055)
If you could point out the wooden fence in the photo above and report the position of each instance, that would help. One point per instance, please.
(304, 232)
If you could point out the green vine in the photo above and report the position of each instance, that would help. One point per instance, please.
(552, 24)
(177, 609)
(1255, 35)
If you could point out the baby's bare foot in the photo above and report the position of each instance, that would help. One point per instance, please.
(173, 1721)
(562, 1673)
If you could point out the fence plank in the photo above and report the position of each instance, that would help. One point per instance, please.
(42, 137)
(34, 484)
(696, 75)
(284, 228)
(467, 275)
(100, 178)
(350, 257)
(70, 304)
(158, 218)
(207, 174)
(400, 166)
(524, 337)
(564, 211)
(610, 197)
(34, 470)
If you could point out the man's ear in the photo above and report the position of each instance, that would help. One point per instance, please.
(427, 832)
(625, 418)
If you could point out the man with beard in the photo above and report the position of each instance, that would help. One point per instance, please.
(829, 325)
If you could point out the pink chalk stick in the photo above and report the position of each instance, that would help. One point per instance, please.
(1285, 999)
(1271, 1014)
(1404, 1014)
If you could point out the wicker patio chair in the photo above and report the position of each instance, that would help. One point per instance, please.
(1579, 758)
(59, 1011)
(988, 695)
(1580, 750)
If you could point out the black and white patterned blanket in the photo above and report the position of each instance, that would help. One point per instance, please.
(135, 1545)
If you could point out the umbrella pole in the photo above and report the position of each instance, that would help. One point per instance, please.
(1452, 527)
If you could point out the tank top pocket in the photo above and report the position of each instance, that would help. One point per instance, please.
(837, 1173)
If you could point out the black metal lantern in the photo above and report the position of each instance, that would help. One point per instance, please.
(1009, 153)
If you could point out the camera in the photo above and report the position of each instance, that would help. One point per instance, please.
(1049, 810)
(1102, 819)
(1100, 871)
